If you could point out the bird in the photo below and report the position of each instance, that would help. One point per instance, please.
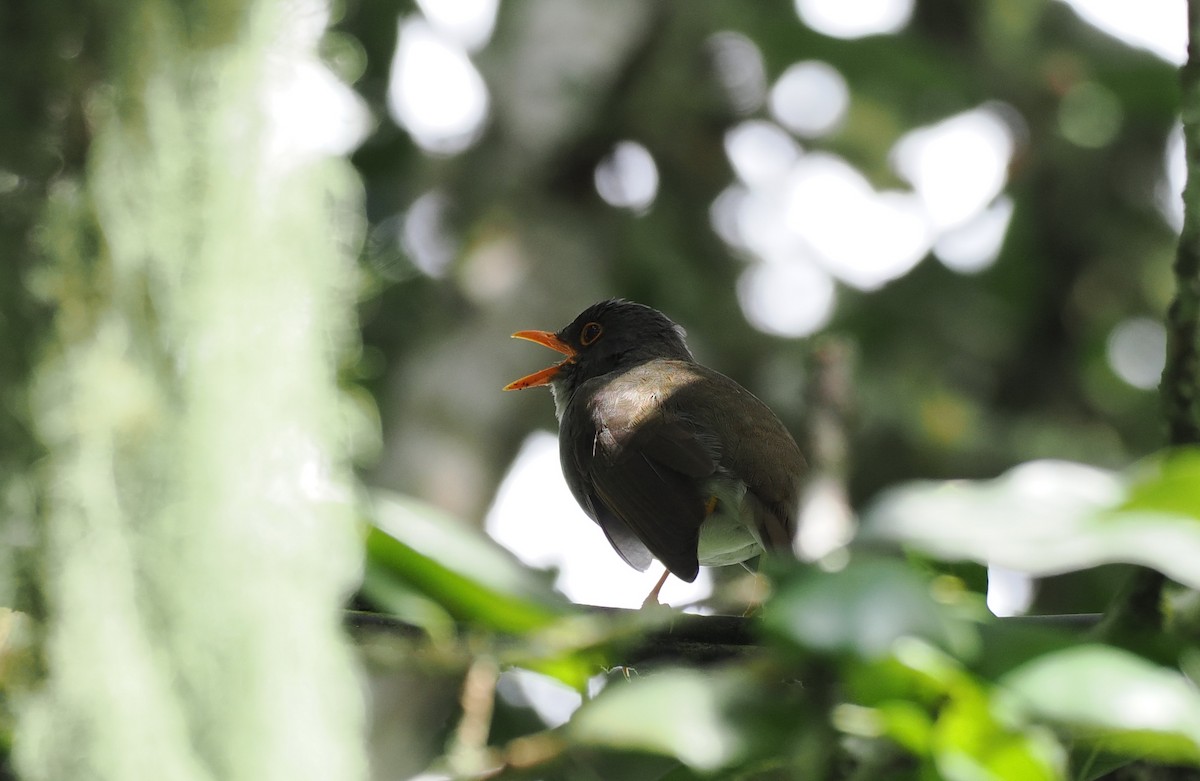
(673, 460)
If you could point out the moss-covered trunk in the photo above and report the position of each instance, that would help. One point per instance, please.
(196, 535)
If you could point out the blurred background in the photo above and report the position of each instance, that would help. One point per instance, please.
(965, 212)
(980, 201)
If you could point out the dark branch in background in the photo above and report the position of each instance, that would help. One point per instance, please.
(826, 520)
(1181, 374)
(1138, 608)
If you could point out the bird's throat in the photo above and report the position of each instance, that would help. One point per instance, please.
(562, 395)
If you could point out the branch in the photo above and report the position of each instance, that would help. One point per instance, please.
(686, 638)
(1180, 386)
(690, 639)
(1139, 608)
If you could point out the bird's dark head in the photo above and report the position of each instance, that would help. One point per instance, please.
(610, 335)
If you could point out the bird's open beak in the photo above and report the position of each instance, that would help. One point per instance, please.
(543, 377)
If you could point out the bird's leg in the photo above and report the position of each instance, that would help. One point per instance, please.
(652, 597)
(710, 507)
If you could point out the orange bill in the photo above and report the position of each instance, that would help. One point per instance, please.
(543, 377)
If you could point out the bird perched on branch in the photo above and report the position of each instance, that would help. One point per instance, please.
(674, 461)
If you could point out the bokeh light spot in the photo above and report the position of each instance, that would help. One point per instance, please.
(1170, 190)
(975, 245)
(434, 91)
(424, 235)
(725, 215)
(1160, 26)
(1089, 115)
(1137, 351)
(956, 166)
(468, 22)
(739, 67)
(855, 18)
(865, 238)
(760, 151)
(312, 113)
(628, 177)
(786, 299)
(810, 98)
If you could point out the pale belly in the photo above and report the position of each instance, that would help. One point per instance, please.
(728, 535)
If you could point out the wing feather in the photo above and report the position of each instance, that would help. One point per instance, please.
(640, 477)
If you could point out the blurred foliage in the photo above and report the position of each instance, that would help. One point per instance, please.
(884, 669)
(1047, 517)
(875, 669)
(469, 579)
(886, 665)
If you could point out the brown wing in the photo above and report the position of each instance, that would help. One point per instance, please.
(756, 448)
(639, 472)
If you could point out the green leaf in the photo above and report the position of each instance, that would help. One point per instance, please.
(927, 702)
(1042, 517)
(456, 566)
(1122, 702)
(1168, 482)
(969, 743)
(908, 724)
(708, 720)
(861, 610)
(678, 713)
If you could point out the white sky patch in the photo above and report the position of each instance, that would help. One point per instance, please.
(1157, 25)
(434, 91)
(536, 517)
(855, 18)
(1009, 593)
(553, 700)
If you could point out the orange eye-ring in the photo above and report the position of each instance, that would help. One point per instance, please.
(590, 333)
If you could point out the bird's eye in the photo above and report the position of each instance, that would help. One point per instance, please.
(590, 333)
